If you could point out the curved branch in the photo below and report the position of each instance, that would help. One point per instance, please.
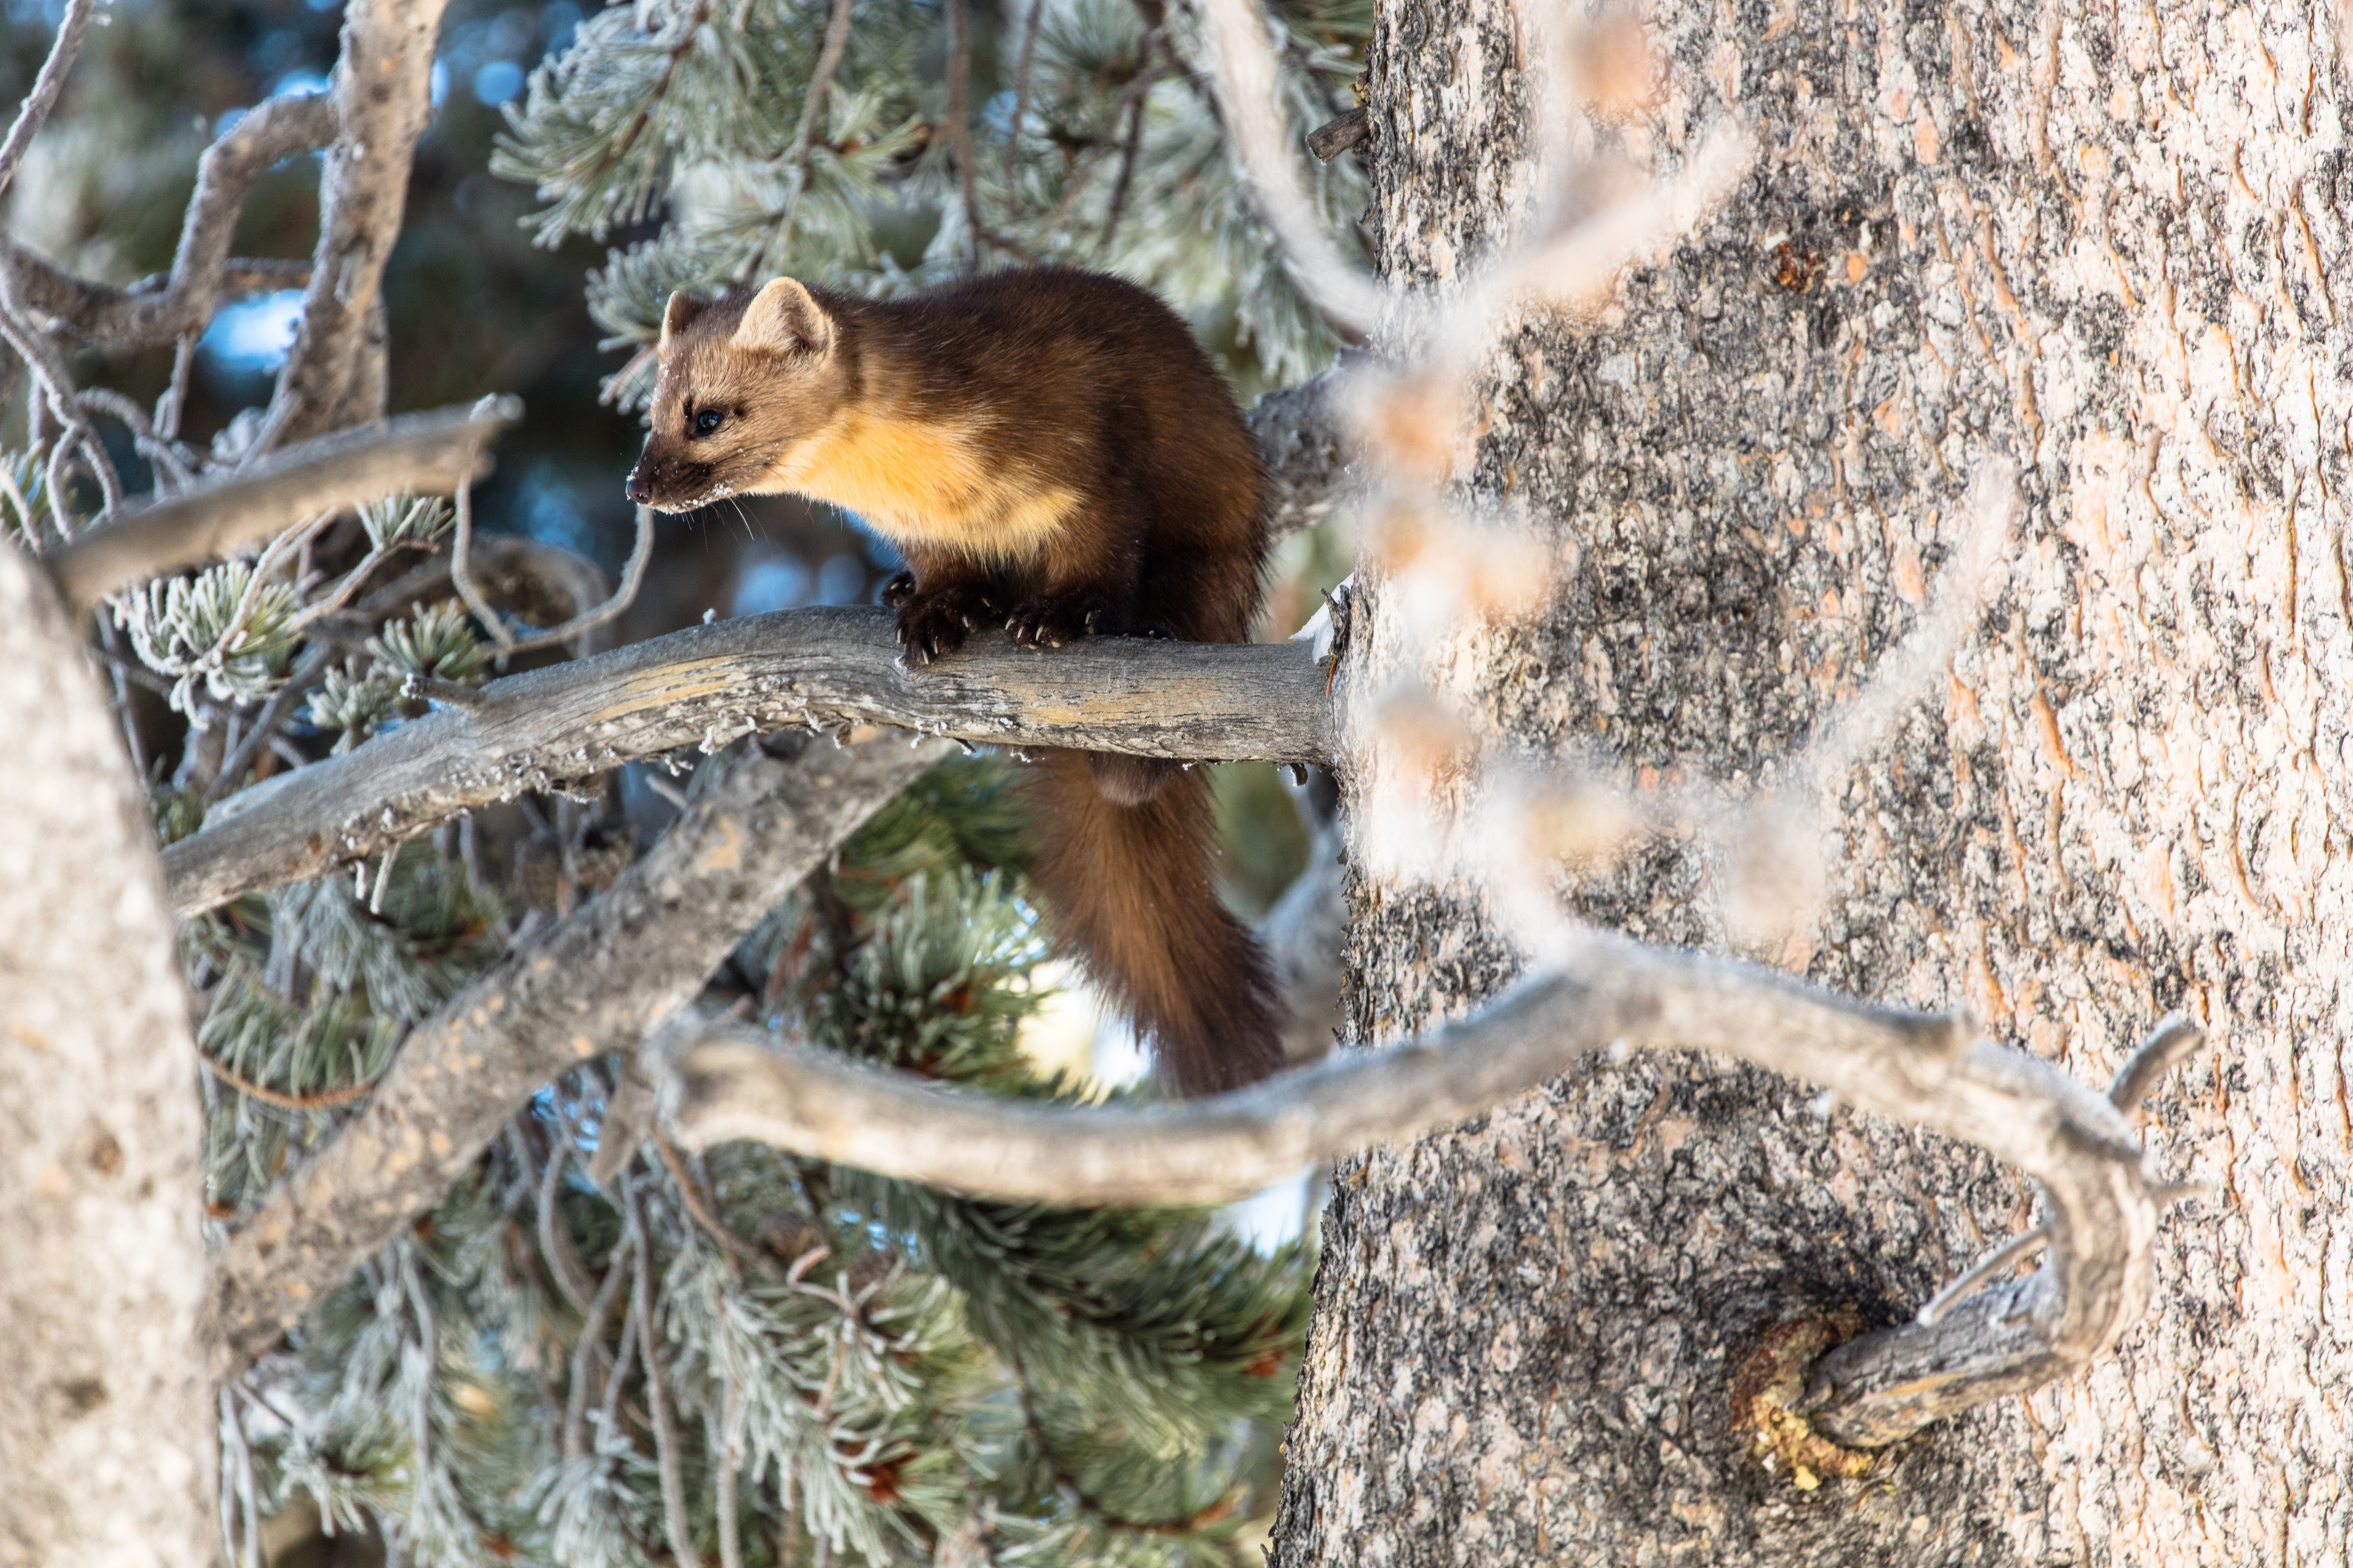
(729, 1081)
(827, 668)
(415, 452)
(592, 983)
(160, 309)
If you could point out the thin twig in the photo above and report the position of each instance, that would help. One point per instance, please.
(798, 161)
(323, 1099)
(690, 1192)
(1120, 187)
(35, 110)
(591, 1344)
(429, 1331)
(959, 117)
(673, 1486)
(1022, 77)
(570, 1276)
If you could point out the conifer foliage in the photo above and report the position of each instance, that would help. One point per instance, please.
(749, 1357)
(827, 139)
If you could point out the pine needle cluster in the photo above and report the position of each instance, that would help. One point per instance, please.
(1087, 136)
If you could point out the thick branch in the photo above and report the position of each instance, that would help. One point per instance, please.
(2103, 1203)
(105, 1417)
(383, 104)
(160, 309)
(825, 667)
(593, 983)
(421, 452)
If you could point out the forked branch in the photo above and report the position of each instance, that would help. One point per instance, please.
(2102, 1199)
(592, 984)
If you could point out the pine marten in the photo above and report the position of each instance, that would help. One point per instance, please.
(1054, 454)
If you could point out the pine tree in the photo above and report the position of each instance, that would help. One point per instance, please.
(588, 1356)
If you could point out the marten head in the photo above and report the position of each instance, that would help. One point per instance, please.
(744, 383)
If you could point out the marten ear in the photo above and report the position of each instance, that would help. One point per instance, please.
(682, 308)
(784, 318)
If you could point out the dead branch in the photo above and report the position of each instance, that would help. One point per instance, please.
(593, 983)
(106, 1428)
(421, 452)
(1300, 438)
(706, 686)
(383, 103)
(161, 309)
(2102, 1197)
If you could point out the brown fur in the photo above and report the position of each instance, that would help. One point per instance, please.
(1053, 453)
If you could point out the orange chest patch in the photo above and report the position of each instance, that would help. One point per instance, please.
(922, 482)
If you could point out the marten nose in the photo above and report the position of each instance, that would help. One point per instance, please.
(641, 486)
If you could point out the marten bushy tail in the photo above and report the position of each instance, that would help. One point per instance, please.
(1137, 904)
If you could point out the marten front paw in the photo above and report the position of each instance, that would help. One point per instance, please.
(1050, 622)
(898, 590)
(934, 624)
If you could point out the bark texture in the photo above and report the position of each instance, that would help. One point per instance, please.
(106, 1435)
(2109, 244)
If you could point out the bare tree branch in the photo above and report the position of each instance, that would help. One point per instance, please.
(826, 668)
(34, 113)
(106, 1419)
(383, 103)
(594, 982)
(161, 308)
(423, 452)
(2102, 1199)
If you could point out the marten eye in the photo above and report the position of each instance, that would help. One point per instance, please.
(707, 421)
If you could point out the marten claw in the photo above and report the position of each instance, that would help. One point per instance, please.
(1050, 623)
(898, 590)
(931, 625)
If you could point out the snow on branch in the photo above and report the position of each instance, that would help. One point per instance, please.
(826, 668)
(424, 453)
(592, 983)
(2102, 1197)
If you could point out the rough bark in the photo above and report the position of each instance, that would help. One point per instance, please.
(105, 1415)
(2108, 245)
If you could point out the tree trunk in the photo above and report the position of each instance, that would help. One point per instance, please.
(2109, 246)
(106, 1415)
